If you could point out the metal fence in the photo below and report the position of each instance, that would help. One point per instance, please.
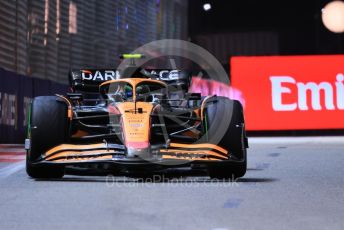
(45, 38)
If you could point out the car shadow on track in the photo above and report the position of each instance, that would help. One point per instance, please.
(168, 176)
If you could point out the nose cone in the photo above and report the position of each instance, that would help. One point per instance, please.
(136, 125)
(138, 149)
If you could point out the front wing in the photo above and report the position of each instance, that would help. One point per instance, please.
(172, 156)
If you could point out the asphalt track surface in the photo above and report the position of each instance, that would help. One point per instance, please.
(291, 183)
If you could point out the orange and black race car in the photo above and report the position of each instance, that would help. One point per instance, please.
(136, 120)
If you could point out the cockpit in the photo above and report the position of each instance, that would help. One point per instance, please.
(134, 89)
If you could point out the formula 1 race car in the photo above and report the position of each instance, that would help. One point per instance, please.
(135, 120)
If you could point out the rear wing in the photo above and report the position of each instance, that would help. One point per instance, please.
(88, 80)
(175, 79)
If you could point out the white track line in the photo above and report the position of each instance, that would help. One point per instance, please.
(11, 169)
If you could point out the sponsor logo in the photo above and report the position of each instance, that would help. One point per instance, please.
(136, 125)
(333, 94)
(8, 109)
(291, 92)
(106, 75)
(166, 75)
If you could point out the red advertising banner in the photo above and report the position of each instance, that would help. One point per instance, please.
(291, 92)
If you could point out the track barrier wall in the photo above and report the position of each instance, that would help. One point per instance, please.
(16, 93)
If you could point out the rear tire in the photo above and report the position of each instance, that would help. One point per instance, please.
(226, 128)
(49, 128)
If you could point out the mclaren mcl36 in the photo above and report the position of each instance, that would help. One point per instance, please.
(136, 120)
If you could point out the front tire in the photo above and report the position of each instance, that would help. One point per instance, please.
(226, 128)
(44, 172)
(48, 128)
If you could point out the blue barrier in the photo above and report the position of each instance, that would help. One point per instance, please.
(16, 93)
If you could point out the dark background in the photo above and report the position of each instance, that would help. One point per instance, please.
(298, 23)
